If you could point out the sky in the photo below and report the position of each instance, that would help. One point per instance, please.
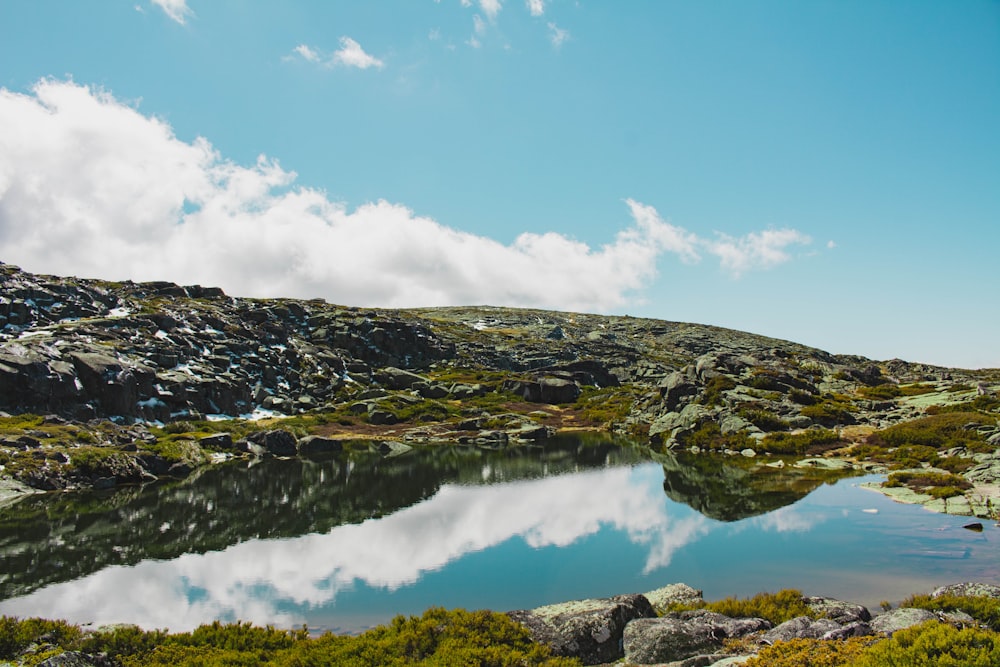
(826, 172)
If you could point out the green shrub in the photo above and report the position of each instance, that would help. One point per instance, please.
(17, 634)
(934, 643)
(438, 637)
(941, 431)
(802, 397)
(763, 419)
(829, 412)
(983, 609)
(712, 394)
(881, 392)
(810, 653)
(812, 441)
(927, 481)
(775, 607)
(709, 436)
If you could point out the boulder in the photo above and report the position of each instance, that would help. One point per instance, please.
(684, 635)
(316, 445)
(836, 610)
(900, 619)
(397, 378)
(217, 441)
(662, 598)
(272, 443)
(969, 588)
(801, 627)
(590, 630)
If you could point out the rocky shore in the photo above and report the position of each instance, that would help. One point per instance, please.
(645, 629)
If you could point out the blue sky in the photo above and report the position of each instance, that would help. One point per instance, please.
(823, 172)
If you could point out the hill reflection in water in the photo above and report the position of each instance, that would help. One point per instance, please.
(348, 542)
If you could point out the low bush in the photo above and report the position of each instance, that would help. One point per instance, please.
(927, 481)
(934, 643)
(775, 607)
(984, 609)
(940, 432)
(812, 441)
(810, 653)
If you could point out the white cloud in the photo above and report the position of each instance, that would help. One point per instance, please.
(307, 53)
(177, 10)
(831, 245)
(491, 8)
(91, 187)
(557, 35)
(536, 7)
(755, 250)
(466, 3)
(352, 55)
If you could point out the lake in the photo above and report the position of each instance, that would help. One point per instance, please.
(348, 542)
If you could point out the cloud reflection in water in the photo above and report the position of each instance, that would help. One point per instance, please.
(269, 581)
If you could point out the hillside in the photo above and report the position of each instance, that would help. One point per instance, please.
(108, 383)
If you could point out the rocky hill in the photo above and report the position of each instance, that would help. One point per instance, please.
(106, 383)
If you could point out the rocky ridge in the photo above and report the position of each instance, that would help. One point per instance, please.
(128, 378)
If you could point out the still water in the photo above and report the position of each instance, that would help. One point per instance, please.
(349, 542)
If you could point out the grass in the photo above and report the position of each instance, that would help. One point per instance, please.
(709, 436)
(812, 441)
(939, 431)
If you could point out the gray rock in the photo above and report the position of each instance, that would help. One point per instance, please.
(801, 627)
(590, 630)
(855, 629)
(217, 441)
(273, 443)
(397, 378)
(836, 610)
(681, 636)
(316, 445)
(900, 619)
(969, 588)
(662, 598)
(76, 659)
(381, 417)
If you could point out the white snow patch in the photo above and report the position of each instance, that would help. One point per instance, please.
(119, 312)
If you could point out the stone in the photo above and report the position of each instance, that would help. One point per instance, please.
(76, 659)
(316, 445)
(397, 378)
(900, 619)
(273, 443)
(971, 589)
(590, 630)
(837, 610)
(662, 598)
(217, 441)
(681, 636)
(801, 627)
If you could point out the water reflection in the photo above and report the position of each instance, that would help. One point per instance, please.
(348, 542)
(51, 538)
(260, 579)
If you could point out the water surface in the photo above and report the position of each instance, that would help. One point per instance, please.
(347, 543)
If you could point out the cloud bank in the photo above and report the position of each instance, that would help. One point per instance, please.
(90, 186)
